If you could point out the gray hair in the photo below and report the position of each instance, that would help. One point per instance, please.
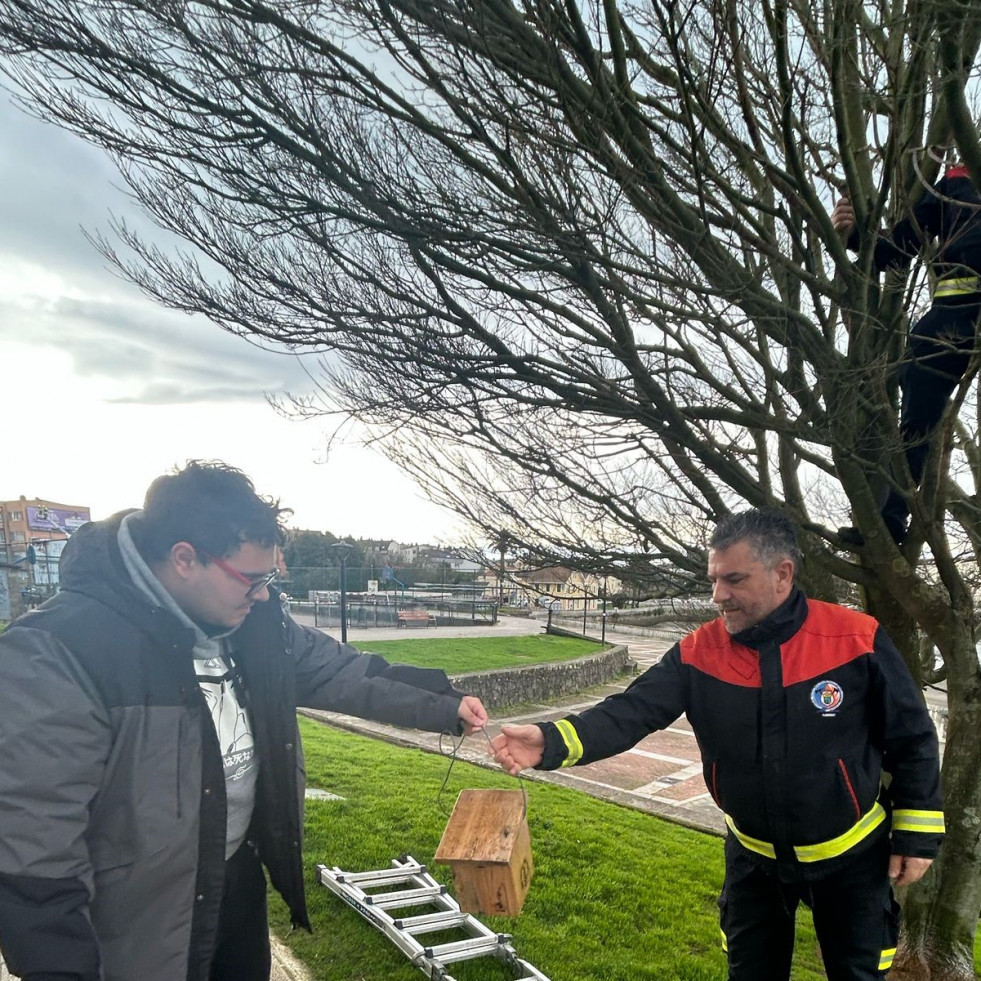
(769, 533)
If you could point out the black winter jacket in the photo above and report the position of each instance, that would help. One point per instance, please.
(112, 795)
(949, 212)
(796, 720)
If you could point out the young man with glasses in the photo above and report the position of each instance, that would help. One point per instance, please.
(150, 763)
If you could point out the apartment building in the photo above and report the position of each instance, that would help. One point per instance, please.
(33, 533)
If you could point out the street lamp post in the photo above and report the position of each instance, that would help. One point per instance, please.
(603, 634)
(342, 550)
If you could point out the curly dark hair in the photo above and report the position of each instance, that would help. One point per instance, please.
(212, 506)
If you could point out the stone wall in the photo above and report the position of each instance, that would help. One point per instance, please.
(539, 682)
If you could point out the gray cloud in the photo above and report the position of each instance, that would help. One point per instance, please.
(170, 393)
(51, 185)
(163, 356)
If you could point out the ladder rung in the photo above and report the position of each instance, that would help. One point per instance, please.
(428, 922)
(404, 897)
(381, 876)
(462, 950)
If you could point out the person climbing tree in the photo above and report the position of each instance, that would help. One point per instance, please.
(942, 341)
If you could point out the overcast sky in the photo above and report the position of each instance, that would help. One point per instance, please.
(101, 390)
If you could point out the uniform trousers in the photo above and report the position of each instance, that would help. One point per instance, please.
(939, 353)
(856, 917)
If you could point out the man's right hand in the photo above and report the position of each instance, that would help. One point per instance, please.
(843, 217)
(518, 747)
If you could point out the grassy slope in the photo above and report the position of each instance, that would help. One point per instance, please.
(458, 655)
(617, 895)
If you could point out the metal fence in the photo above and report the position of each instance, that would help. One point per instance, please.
(366, 614)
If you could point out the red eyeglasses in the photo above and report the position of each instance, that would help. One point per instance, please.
(256, 584)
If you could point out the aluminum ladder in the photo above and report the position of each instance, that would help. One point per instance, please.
(419, 888)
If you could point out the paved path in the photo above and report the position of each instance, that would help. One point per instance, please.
(505, 627)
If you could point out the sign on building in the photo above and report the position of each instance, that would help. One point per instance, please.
(56, 519)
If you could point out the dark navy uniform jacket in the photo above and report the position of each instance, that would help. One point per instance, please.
(815, 741)
(949, 212)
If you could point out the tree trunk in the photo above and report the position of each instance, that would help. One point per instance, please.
(899, 623)
(937, 942)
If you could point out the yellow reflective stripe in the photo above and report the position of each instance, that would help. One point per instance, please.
(886, 958)
(957, 286)
(929, 822)
(753, 844)
(823, 849)
(571, 739)
(838, 846)
(725, 943)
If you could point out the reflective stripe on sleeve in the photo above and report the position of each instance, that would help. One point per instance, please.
(571, 739)
(725, 943)
(886, 958)
(957, 286)
(929, 822)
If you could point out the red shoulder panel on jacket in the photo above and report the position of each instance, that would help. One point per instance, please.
(712, 651)
(830, 637)
(959, 171)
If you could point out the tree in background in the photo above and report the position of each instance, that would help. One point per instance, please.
(312, 564)
(573, 265)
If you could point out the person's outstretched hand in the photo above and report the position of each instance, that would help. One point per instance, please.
(518, 747)
(472, 714)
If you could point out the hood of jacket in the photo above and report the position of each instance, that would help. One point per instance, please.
(92, 565)
(91, 560)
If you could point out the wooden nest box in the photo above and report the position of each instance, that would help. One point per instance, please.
(487, 844)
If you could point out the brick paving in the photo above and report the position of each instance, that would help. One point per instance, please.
(662, 774)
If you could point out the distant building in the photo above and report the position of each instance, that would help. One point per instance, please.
(382, 551)
(553, 586)
(452, 559)
(33, 533)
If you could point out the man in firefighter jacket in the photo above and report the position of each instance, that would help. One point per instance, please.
(943, 340)
(798, 708)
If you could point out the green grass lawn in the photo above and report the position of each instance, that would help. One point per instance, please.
(617, 895)
(463, 654)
